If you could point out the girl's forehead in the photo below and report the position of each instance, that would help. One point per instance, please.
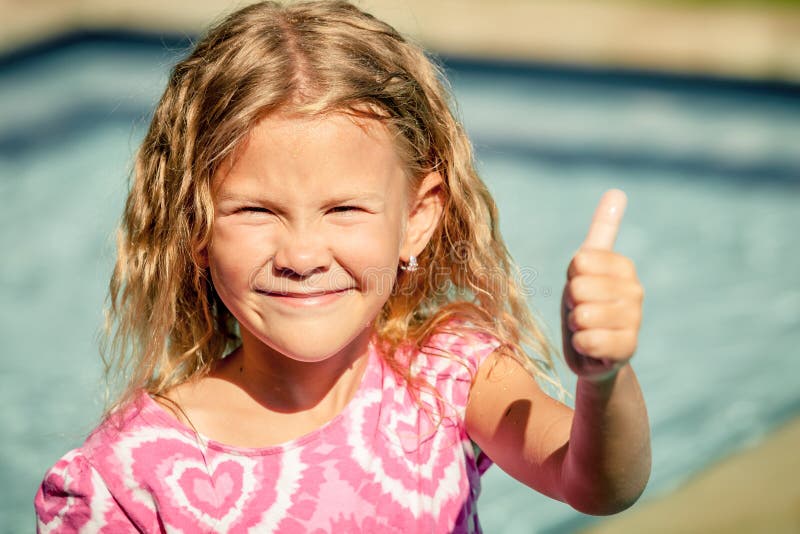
(340, 127)
(337, 149)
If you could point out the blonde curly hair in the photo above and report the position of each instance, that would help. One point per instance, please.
(165, 323)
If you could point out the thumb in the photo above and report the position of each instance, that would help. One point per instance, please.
(605, 222)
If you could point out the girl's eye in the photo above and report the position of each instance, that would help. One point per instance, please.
(252, 209)
(344, 209)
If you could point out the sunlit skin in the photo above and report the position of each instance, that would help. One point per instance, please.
(312, 217)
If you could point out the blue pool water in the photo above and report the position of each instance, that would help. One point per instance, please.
(711, 168)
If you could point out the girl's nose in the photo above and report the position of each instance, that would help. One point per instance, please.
(302, 254)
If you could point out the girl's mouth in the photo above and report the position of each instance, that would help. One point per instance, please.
(306, 299)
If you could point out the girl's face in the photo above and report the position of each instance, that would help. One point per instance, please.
(310, 223)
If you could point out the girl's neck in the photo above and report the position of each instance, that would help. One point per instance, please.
(285, 385)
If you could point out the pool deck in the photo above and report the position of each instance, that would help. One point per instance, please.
(742, 40)
(756, 490)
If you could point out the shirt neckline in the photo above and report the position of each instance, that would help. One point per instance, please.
(370, 375)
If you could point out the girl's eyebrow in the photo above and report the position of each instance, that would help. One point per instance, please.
(356, 197)
(370, 197)
(238, 197)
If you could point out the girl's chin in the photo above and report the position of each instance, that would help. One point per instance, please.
(317, 347)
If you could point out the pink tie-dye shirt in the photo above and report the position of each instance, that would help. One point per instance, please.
(379, 466)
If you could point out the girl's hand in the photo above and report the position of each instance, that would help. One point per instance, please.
(601, 307)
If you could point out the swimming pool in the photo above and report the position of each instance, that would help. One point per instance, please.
(711, 168)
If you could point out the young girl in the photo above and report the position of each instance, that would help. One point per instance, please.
(316, 318)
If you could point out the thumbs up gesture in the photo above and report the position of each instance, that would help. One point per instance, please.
(601, 307)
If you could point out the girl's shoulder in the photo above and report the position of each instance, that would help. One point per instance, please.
(447, 361)
(90, 486)
(141, 426)
(457, 344)
(139, 420)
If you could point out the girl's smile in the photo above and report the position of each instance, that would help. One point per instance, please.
(307, 300)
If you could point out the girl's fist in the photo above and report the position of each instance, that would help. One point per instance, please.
(601, 307)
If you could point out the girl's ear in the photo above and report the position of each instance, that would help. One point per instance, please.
(423, 217)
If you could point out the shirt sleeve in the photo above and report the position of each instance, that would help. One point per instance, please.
(452, 361)
(73, 498)
(455, 358)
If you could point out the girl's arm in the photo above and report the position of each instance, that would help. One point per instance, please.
(596, 458)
